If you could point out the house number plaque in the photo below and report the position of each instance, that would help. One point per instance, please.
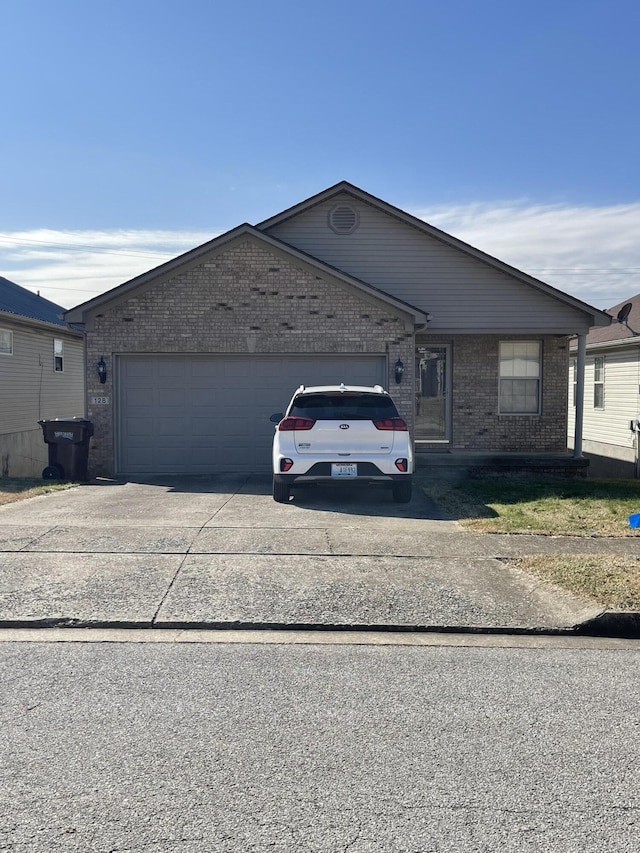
(100, 401)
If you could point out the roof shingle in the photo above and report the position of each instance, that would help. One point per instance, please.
(18, 300)
(618, 331)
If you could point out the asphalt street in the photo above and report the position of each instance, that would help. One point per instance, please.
(185, 748)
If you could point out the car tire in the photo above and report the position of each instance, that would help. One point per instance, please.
(53, 472)
(281, 492)
(402, 492)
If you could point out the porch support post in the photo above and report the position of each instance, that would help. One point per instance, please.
(577, 439)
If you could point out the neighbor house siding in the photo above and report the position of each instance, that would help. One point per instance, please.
(29, 382)
(242, 299)
(31, 390)
(606, 430)
(476, 422)
(459, 292)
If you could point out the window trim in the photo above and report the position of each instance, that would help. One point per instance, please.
(10, 333)
(58, 355)
(598, 381)
(538, 378)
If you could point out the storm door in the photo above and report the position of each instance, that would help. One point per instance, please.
(433, 393)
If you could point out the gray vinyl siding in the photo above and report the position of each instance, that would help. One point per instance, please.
(460, 292)
(30, 389)
(610, 425)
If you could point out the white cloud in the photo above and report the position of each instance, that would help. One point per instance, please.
(592, 253)
(70, 267)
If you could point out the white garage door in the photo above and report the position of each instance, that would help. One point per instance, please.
(207, 414)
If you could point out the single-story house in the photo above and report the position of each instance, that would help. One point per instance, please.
(611, 393)
(343, 286)
(41, 376)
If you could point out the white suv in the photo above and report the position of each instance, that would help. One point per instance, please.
(341, 433)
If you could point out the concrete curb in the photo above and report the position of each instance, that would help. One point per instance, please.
(618, 624)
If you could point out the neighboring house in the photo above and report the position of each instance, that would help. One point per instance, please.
(611, 393)
(202, 350)
(41, 376)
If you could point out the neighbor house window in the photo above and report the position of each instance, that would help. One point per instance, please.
(6, 342)
(520, 377)
(598, 382)
(574, 372)
(58, 353)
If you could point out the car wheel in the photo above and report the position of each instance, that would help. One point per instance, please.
(402, 492)
(281, 492)
(53, 472)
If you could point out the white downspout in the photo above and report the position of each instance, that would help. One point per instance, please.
(577, 438)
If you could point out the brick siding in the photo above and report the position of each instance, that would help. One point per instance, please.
(244, 298)
(476, 423)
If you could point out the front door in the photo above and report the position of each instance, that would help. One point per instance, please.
(432, 393)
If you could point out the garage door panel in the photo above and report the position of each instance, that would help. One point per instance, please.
(241, 370)
(185, 414)
(205, 369)
(135, 396)
(141, 368)
(170, 456)
(139, 427)
(144, 456)
(168, 426)
(170, 369)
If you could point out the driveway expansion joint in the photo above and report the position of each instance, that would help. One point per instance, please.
(168, 589)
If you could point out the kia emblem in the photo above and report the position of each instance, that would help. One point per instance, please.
(344, 426)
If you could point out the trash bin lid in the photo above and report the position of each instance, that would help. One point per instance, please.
(76, 419)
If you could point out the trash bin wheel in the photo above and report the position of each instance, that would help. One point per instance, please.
(53, 472)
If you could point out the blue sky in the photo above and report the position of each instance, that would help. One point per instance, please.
(135, 130)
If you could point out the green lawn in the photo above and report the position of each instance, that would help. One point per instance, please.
(506, 503)
(521, 504)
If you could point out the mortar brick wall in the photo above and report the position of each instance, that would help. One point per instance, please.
(242, 299)
(476, 424)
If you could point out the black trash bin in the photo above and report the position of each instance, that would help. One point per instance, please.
(68, 442)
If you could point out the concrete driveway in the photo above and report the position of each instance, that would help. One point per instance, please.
(220, 551)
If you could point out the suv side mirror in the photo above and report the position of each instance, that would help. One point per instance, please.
(275, 419)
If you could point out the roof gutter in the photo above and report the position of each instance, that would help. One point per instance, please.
(23, 320)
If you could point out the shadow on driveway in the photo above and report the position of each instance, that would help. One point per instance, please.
(347, 499)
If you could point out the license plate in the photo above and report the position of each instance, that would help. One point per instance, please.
(344, 469)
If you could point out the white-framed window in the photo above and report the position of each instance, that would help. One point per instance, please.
(598, 382)
(520, 370)
(6, 342)
(58, 355)
(574, 374)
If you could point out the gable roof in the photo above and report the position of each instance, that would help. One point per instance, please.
(77, 314)
(24, 303)
(598, 317)
(619, 333)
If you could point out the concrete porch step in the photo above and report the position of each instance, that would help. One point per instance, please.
(542, 463)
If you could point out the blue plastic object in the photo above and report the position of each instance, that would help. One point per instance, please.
(634, 520)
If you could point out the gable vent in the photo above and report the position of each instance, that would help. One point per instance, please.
(343, 219)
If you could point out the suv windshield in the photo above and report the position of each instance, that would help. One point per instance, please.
(343, 406)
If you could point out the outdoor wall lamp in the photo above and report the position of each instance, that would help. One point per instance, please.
(101, 367)
(399, 371)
